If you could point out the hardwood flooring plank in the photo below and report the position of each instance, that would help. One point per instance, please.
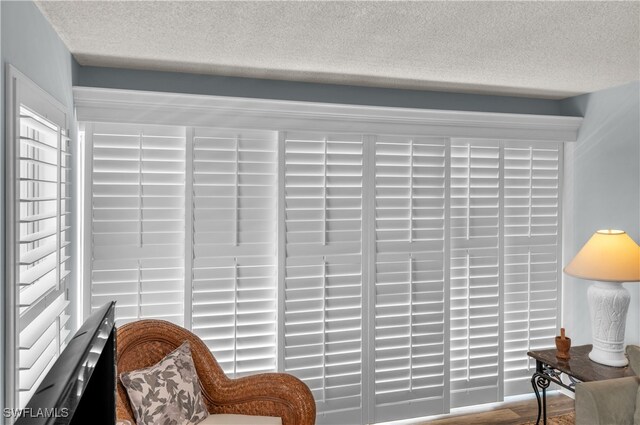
(511, 413)
(497, 417)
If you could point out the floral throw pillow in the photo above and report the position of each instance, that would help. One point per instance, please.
(167, 393)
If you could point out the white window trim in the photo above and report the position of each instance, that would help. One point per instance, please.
(131, 106)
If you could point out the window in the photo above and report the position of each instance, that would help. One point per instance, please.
(397, 275)
(38, 236)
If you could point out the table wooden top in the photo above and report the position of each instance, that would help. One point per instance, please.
(580, 366)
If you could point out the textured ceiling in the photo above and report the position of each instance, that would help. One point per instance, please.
(545, 49)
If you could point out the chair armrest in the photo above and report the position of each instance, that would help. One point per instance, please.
(267, 394)
(610, 402)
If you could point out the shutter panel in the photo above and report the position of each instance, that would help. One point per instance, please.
(410, 210)
(531, 255)
(137, 221)
(43, 242)
(475, 278)
(234, 247)
(323, 344)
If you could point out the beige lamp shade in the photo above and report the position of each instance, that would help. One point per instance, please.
(609, 256)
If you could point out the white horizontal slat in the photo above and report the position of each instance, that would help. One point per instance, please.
(29, 377)
(40, 125)
(30, 218)
(38, 253)
(37, 236)
(28, 357)
(38, 144)
(31, 293)
(34, 330)
(28, 276)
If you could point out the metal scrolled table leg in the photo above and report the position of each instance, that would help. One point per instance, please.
(539, 380)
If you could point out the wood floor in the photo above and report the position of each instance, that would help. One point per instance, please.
(511, 414)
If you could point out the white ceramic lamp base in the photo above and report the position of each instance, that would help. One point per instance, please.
(608, 305)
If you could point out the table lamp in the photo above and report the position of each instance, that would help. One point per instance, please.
(610, 257)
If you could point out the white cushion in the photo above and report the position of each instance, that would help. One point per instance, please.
(241, 420)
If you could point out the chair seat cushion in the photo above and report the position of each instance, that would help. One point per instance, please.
(241, 420)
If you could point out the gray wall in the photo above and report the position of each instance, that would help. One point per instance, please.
(313, 92)
(30, 44)
(603, 187)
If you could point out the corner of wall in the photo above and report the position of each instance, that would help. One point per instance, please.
(602, 190)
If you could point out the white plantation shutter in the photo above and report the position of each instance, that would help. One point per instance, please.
(323, 335)
(137, 220)
(410, 274)
(531, 255)
(397, 276)
(234, 248)
(42, 233)
(475, 273)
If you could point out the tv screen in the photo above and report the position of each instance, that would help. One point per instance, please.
(80, 388)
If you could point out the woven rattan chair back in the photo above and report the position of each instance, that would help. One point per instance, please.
(145, 342)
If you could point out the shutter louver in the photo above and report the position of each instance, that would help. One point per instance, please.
(43, 248)
(137, 221)
(531, 255)
(323, 338)
(475, 280)
(234, 247)
(410, 211)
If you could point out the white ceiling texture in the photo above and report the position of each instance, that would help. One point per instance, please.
(539, 48)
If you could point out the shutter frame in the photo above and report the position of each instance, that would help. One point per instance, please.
(37, 237)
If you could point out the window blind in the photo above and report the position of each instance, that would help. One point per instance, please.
(43, 243)
(138, 220)
(531, 256)
(323, 336)
(476, 280)
(234, 248)
(410, 272)
(397, 276)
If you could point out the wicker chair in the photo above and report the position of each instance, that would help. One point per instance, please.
(144, 343)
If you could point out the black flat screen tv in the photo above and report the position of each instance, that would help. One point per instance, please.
(80, 388)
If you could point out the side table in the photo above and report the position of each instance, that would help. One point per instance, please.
(577, 369)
